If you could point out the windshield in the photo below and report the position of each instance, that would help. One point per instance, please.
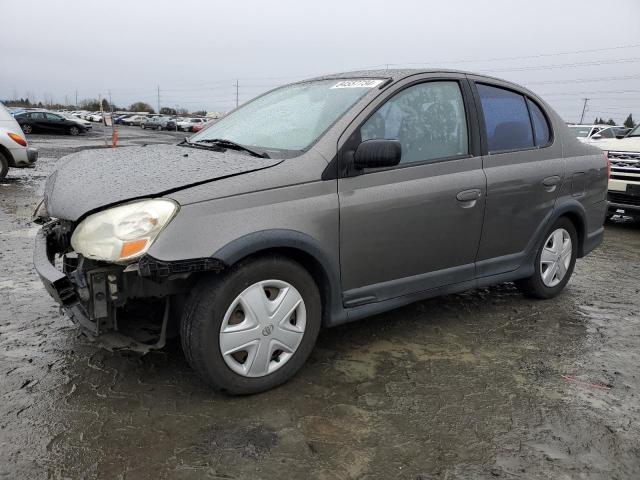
(635, 132)
(289, 118)
(580, 131)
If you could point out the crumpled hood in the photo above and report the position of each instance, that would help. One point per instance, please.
(92, 179)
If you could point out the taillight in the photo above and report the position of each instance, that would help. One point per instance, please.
(606, 157)
(17, 138)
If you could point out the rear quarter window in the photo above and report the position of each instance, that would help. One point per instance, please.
(506, 119)
(541, 130)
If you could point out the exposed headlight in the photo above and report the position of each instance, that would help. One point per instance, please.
(123, 233)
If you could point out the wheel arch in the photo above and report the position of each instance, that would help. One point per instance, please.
(575, 212)
(301, 248)
(6, 153)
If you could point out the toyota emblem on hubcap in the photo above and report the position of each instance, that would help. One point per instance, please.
(266, 331)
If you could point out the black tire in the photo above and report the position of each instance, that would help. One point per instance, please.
(74, 131)
(4, 166)
(534, 286)
(204, 313)
(26, 128)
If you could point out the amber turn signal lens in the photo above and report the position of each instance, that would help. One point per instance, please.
(18, 139)
(132, 247)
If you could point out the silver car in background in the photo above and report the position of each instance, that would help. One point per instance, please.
(14, 149)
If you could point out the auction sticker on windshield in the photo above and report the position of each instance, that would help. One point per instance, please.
(358, 84)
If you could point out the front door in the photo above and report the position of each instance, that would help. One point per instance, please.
(415, 226)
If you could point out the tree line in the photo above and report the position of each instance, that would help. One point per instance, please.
(628, 123)
(93, 105)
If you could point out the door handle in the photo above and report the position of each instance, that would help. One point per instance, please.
(550, 183)
(469, 195)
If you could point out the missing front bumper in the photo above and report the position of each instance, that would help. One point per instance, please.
(125, 307)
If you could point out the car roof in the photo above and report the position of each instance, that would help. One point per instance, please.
(396, 74)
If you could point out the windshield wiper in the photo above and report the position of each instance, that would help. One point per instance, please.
(221, 142)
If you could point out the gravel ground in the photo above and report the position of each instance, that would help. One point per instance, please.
(485, 384)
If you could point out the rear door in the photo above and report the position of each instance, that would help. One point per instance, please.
(416, 226)
(56, 123)
(39, 122)
(524, 168)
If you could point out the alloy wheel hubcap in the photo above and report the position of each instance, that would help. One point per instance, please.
(556, 257)
(262, 328)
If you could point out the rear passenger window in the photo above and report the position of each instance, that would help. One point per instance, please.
(540, 125)
(506, 119)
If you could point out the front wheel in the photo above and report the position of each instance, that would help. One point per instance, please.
(27, 128)
(252, 328)
(554, 262)
(74, 131)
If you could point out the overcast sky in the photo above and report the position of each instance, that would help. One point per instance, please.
(195, 50)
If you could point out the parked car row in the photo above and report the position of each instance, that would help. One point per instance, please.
(183, 124)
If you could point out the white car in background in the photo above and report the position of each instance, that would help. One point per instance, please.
(14, 150)
(586, 133)
(624, 180)
(85, 123)
(134, 120)
(187, 124)
(79, 113)
(94, 117)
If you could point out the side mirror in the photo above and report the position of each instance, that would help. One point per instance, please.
(596, 136)
(377, 154)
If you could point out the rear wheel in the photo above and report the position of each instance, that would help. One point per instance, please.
(4, 166)
(74, 131)
(253, 328)
(27, 128)
(554, 262)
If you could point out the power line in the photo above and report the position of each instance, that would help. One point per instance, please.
(523, 57)
(566, 65)
(583, 80)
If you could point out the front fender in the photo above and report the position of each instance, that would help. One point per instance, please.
(303, 247)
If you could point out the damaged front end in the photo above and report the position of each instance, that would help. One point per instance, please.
(126, 306)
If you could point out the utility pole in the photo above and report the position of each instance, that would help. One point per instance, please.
(236, 93)
(584, 108)
(110, 104)
(158, 98)
(76, 98)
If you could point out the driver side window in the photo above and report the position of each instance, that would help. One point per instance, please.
(427, 119)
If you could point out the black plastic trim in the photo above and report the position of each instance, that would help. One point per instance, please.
(149, 266)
